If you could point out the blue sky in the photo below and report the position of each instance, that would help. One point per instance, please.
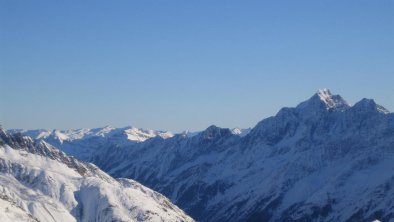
(180, 65)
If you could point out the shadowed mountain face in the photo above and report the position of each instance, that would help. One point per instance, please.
(323, 160)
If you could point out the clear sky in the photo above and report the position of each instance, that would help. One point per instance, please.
(180, 65)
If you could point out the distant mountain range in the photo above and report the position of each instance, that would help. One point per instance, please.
(87, 143)
(323, 160)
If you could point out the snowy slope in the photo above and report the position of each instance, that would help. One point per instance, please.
(40, 183)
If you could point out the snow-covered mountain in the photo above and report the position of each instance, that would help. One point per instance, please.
(40, 183)
(85, 143)
(241, 132)
(235, 131)
(323, 160)
(121, 135)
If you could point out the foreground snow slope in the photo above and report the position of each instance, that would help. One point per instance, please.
(40, 183)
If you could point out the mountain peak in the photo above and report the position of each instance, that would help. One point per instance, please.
(324, 98)
(370, 105)
(240, 132)
(215, 132)
(324, 94)
(332, 101)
